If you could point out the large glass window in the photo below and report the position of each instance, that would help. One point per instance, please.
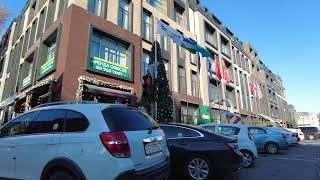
(225, 48)
(123, 16)
(49, 59)
(194, 84)
(147, 26)
(178, 15)
(181, 52)
(214, 91)
(110, 56)
(96, 7)
(182, 80)
(210, 35)
(165, 43)
(189, 114)
(145, 63)
(157, 4)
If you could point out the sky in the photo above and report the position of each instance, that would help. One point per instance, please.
(284, 32)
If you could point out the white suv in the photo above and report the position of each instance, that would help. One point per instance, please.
(245, 139)
(83, 140)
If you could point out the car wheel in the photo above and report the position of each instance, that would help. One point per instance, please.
(311, 137)
(198, 168)
(248, 159)
(61, 175)
(271, 148)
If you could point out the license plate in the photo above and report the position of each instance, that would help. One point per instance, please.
(152, 148)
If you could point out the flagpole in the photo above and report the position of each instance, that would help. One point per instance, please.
(198, 69)
(156, 71)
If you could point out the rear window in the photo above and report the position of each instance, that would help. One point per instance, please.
(128, 119)
(228, 130)
(309, 129)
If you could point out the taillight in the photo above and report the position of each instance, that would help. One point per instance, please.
(233, 145)
(250, 136)
(116, 143)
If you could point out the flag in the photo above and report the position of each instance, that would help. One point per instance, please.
(225, 72)
(259, 92)
(218, 72)
(178, 38)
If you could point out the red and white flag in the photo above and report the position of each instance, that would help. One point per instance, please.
(259, 92)
(218, 71)
(225, 72)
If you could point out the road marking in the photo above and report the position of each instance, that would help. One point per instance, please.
(292, 159)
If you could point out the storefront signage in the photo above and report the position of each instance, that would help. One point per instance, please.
(205, 114)
(26, 81)
(46, 67)
(109, 67)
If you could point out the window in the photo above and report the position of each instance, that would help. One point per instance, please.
(178, 18)
(128, 119)
(1, 66)
(214, 91)
(157, 4)
(123, 16)
(64, 4)
(189, 113)
(147, 26)
(230, 95)
(48, 121)
(179, 132)
(48, 61)
(145, 63)
(26, 72)
(210, 35)
(209, 128)
(181, 52)
(96, 7)
(165, 43)
(75, 122)
(193, 58)
(110, 56)
(257, 131)
(18, 126)
(228, 130)
(194, 84)
(182, 80)
(225, 46)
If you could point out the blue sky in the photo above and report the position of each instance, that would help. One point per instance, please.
(285, 33)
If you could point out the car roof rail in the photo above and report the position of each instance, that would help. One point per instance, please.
(65, 102)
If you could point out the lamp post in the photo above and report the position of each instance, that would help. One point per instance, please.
(219, 101)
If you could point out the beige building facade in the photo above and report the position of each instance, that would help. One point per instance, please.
(67, 31)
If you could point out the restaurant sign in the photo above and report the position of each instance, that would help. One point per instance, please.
(109, 67)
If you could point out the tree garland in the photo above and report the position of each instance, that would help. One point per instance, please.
(93, 81)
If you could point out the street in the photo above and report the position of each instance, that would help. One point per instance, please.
(300, 162)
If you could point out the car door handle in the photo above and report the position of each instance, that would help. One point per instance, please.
(182, 143)
(52, 142)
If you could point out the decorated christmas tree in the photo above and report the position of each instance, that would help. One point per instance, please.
(163, 95)
(157, 90)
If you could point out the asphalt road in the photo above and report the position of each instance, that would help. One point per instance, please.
(300, 162)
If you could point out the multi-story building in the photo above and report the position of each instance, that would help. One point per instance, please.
(292, 116)
(308, 119)
(99, 50)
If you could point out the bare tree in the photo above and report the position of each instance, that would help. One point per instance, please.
(4, 14)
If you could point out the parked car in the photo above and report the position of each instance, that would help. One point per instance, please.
(199, 154)
(83, 140)
(291, 137)
(297, 132)
(310, 132)
(269, 141)
(245, 139)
